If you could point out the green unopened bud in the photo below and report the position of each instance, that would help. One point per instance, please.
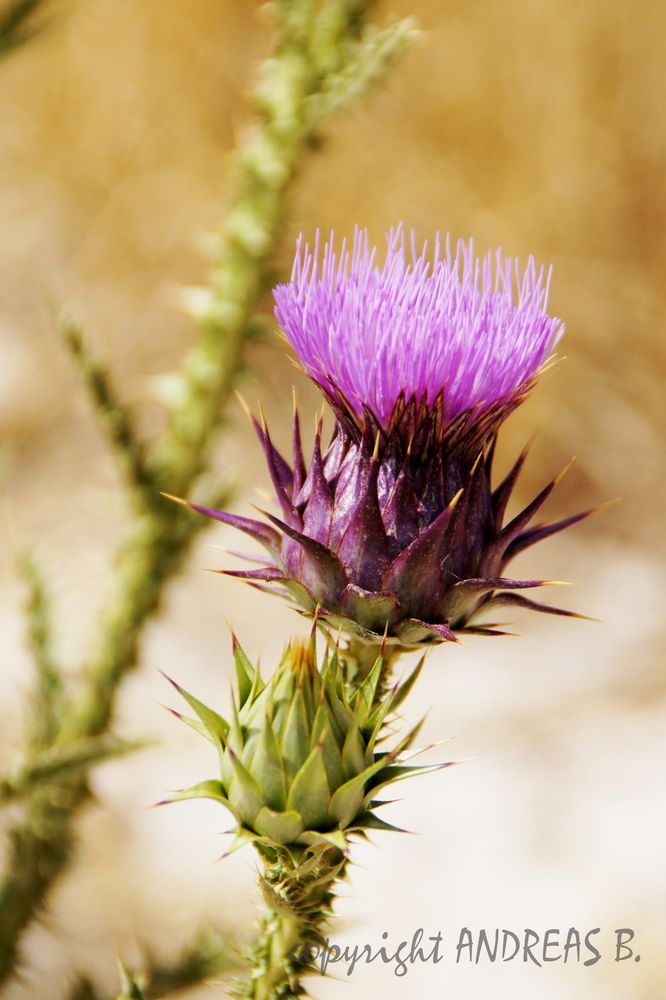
(298, 757)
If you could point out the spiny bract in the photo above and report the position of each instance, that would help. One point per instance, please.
(397, 539)
(299, 763)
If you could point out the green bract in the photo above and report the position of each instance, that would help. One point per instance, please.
(299, 763)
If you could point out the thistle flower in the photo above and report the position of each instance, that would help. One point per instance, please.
(299, 764)
(396, 527)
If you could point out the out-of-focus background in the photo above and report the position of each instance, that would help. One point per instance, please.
(531, 125)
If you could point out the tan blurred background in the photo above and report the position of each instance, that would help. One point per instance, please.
(531, 125)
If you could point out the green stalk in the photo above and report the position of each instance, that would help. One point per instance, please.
(298, 897)
(360, 658)
(275, 972)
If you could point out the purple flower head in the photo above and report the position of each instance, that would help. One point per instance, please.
(471, 332)
(396, 530)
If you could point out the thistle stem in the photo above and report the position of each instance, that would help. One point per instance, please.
(274, 970)
(298, 895)
(361, 657)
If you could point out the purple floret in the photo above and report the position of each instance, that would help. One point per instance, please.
(474, 330)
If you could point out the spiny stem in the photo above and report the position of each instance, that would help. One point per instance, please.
(40, 849)
(208, 956)
(152, 554)
(298, 903)
(114, 417)
(58, 762)
(274, 970)
(47, 701)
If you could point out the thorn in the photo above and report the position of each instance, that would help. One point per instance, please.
(262, 418)
(170, 680)
(243, 403)
(170, 496)
(260, 510)
(171, 711)
(556, 583)
(456, 498)
(560, 476)
(231, 630)
(384, 639)
(607, 503)
(528, 445)
(476, 463)
(375, 451)
(410, 754)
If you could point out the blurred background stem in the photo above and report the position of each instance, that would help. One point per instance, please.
(17, 23)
